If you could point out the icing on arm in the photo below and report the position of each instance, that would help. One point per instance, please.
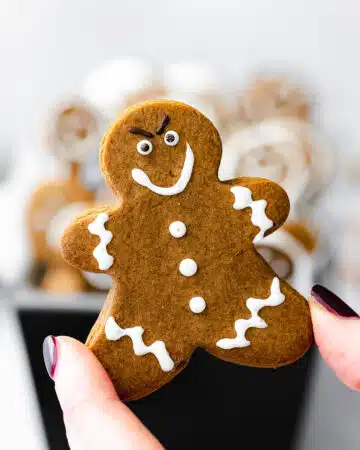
(84, 242)
(275, 298)
(243, 199)
(97, 227)
(114, 332)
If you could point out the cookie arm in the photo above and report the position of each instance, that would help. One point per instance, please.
(85, 243)
(269, 202)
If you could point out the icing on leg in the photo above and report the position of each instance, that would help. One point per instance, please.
(114, 332)
(276, 298)
(243, 199)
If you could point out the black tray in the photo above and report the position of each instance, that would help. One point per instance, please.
(210, 405)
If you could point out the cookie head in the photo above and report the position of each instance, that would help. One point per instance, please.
(160, 147)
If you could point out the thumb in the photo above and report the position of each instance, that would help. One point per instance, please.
(337, 334)
(94, 416)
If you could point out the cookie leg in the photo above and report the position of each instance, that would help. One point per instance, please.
(136, 367)
(271, 328)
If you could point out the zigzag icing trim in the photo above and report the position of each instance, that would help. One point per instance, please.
(243, 199)
(97, 228)
(254, 305)
(114, 332)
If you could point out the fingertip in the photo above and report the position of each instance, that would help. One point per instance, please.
(331, 302)
(78, 374)
(94, 416)
(337, 339)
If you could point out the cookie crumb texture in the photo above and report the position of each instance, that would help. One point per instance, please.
(147, 329)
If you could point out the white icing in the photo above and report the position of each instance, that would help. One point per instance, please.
(177, 229)
(114, 332)
(188, 267)
(175, 137)
(142, 144)
(275, 298)
(142, 178)
(197, 305)
(97, 227)
(243, 199)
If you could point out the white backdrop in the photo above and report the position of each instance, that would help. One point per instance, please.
(47, 48)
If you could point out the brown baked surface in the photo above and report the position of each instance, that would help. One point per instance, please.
(148, 289)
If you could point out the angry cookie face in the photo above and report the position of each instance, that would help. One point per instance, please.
(161, 150)
(145, 148)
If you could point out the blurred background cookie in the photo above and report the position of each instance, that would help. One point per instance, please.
(269, 97)
(30, 165)
(272, 137)
(49, 208)
(72, 133)
(269, 149)
(290, 252)
(73, 129)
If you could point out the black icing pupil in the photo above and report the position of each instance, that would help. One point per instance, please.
(145, 147)
(170, 138)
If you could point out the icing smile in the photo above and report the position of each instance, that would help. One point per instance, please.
(142, 178)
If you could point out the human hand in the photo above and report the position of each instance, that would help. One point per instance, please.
(94, 416)
(337, 334)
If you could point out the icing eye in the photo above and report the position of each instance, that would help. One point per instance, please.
(144, 147)
(171, 138)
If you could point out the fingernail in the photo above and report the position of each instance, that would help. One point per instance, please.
(50, 355)
(331, 302)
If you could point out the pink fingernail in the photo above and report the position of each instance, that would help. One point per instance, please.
(50, 355)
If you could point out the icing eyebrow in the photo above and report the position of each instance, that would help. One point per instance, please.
(135, 130)
(165, 122)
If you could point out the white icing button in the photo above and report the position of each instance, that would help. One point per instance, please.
(188, 267)
(177, 229)
(197, 305)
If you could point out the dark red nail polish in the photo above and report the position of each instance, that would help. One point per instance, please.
(50, 355)
(332, 302)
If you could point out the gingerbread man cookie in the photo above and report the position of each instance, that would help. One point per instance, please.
(180, 250)
(273, 138)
